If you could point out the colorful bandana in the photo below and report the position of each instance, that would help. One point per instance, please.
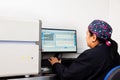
(102, 29)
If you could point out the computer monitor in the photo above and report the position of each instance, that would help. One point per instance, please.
(59, 40)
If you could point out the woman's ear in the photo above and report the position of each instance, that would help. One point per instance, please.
(94, 38)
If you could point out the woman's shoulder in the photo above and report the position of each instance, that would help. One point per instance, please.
(97, 50)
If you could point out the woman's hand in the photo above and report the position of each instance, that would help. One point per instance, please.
(54, 60)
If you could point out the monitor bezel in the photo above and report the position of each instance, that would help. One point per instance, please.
(60, 51)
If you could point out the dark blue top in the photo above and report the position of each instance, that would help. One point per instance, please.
(92, 64)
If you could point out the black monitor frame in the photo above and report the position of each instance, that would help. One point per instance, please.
(57, 52)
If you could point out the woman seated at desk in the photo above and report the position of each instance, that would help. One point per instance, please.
(94, 63)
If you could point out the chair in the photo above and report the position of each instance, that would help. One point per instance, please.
(113, 74)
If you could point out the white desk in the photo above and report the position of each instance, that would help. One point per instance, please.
(49, 77)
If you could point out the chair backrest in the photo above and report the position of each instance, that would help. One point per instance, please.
(113, 74)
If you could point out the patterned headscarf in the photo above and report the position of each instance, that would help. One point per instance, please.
(101, 29)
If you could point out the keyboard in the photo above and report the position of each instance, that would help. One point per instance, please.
(65, 61)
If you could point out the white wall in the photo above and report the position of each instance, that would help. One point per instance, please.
(114, 19)
(73, 14)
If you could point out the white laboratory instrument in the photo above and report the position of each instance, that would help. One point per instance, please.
(19, 53)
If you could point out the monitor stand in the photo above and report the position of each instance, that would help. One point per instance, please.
(58, 55)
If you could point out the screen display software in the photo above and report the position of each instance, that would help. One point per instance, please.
(59, 40)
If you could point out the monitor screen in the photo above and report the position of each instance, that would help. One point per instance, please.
(59, 40)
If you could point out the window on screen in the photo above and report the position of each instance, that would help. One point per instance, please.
(58, 40)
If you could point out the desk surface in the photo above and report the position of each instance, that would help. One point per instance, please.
(48, 77)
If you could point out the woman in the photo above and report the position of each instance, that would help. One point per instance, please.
(94, 63)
